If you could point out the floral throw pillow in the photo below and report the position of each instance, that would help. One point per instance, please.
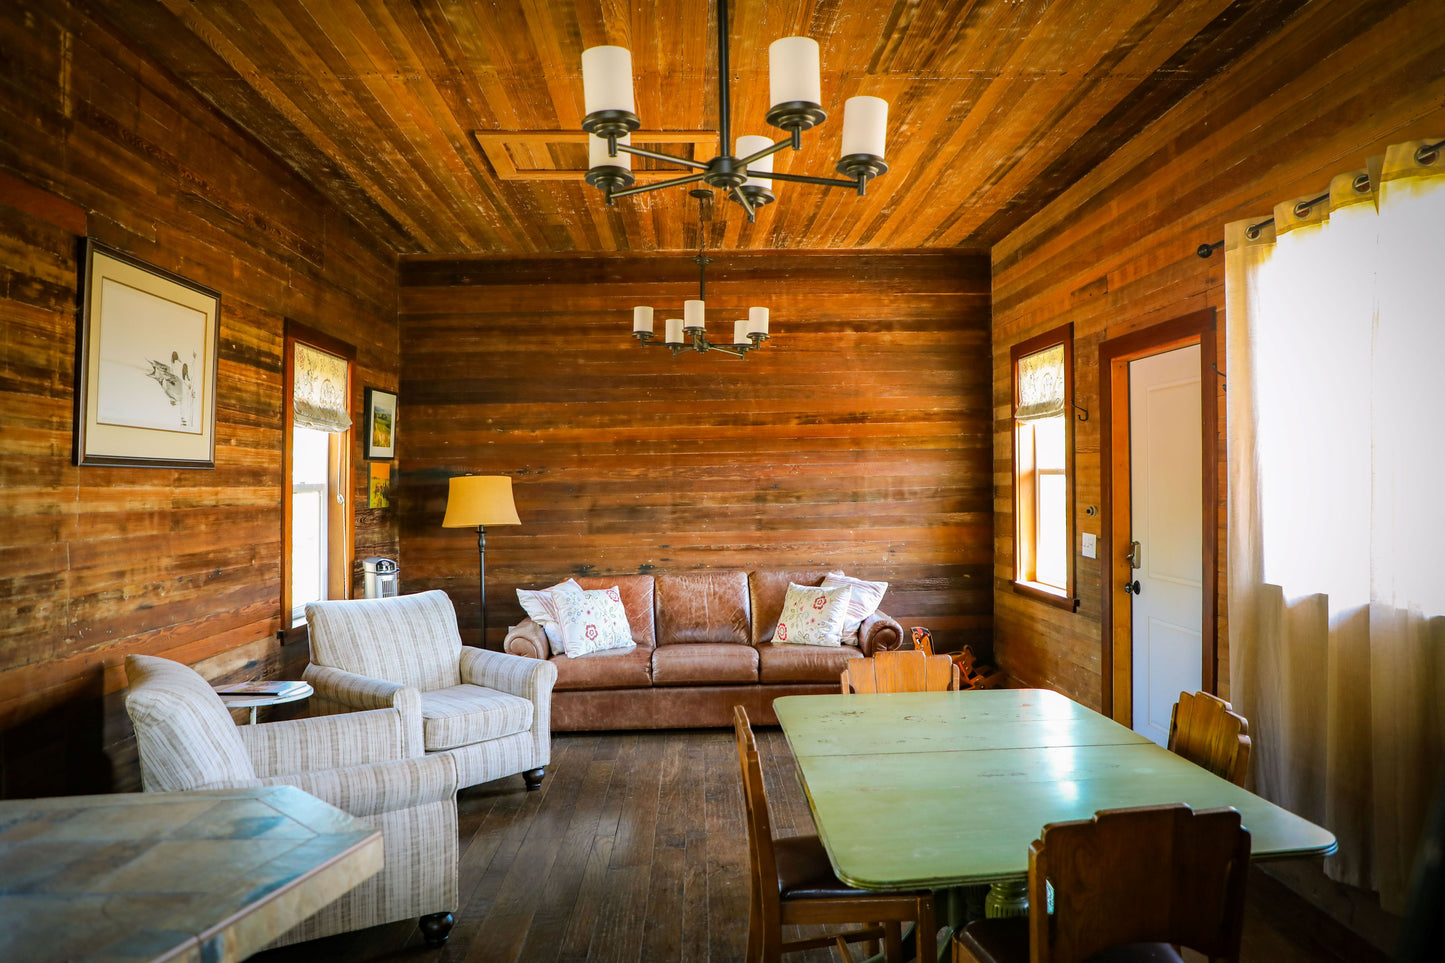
(813, 615)
(541, 607)
(867, 596)
(594, 621)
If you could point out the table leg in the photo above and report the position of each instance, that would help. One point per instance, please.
(253, 715)
(1007, 900)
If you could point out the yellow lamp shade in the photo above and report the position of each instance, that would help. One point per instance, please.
(474, 500)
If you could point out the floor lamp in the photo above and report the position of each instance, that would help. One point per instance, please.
(480, 500)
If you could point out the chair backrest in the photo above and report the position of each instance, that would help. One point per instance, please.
(1208, 732)
(184, 733)
(408, 639)
(1156, 874)
(762, 863)
(906, 670)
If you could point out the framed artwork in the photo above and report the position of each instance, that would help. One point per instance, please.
(146, 377)
(378, 491)
(380, 425)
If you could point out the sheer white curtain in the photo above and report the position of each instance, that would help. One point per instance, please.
(1336, 418)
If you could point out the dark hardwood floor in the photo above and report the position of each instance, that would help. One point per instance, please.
(634, 849)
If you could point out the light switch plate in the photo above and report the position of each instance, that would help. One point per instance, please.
(1091, 545)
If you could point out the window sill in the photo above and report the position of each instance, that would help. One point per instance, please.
(1047, 594)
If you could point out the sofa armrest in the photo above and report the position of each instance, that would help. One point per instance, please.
(528, 639)
(325, 742)
(879, 632)
(339, 691)
(518, 675)
(378, 788)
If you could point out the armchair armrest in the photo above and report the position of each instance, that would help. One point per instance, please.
(339, 691)
(528, 639)
(325, 742)
(521, 676)
(879, 632)
(377, 788)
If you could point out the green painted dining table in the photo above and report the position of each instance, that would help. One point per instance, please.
(947, 789)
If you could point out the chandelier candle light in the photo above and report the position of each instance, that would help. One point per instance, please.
(795, 89)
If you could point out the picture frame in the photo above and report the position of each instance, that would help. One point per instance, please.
(378, 488)
(146, 351)
(379, 437)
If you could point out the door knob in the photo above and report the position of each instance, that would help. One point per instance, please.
(1131, 588)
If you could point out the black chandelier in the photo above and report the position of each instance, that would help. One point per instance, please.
(687, 333)
(795, 88)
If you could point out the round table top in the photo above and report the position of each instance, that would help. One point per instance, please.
(247, 699)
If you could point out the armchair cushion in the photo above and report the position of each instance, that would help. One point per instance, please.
(460, 715)
(370, 790)
(184, 732)
(407, 639)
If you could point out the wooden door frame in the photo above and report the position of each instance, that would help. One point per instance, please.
(1116, 676)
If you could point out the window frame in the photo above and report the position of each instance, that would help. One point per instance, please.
(1023, 474)
(340, 517)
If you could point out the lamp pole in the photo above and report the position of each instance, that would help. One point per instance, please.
(482, 565)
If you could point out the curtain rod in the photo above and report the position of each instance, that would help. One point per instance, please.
(1424, 155)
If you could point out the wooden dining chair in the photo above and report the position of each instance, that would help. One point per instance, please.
(1209, 733)
(792, 883)
(1130, 885)
(906, 670)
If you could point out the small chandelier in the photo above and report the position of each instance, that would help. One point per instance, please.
(796, 94)
(687, 332)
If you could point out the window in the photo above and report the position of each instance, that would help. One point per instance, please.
(1043, 453)
(316, 517)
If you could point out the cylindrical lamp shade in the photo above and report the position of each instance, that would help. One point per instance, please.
(692, 314)
(607, 79)
(793, 71)
(740, 332)
(641, 319)
(474, 500)
(757, 320)
(751, 144)
(865, 126)
(674, 331)
(597, 153)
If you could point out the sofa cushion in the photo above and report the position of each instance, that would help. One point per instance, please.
(541, 607)
(704, 662)
(767, 588)
(637, 595)
(593, 620)
(609, 669)
(802, 663)
(703, 607)
(460, 715)
(813, 615)
(864, 601)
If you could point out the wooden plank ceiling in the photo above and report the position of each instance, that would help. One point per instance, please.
(995, 107)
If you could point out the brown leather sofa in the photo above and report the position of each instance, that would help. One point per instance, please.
(704, 644)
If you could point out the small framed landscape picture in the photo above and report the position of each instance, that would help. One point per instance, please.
(380, 425)
(378, 489)
(146, 382)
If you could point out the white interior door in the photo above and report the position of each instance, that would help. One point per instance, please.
(1165, 488)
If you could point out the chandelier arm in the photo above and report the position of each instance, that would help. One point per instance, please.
(746, 202)
(644, 152)
(643, 188)
(798, 178)
(783, 144)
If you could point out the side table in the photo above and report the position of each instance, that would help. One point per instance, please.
(254, 700)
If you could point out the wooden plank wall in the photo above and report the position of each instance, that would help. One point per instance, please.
(99, 562)
(857, 437)
(1335, 85)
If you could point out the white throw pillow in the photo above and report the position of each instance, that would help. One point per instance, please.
(813, 615)
(541, 607)
(867, 596)
(594, 621)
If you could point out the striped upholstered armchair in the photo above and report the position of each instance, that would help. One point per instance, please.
(488, 710)
(359, 763)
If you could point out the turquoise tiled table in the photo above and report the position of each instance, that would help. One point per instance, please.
(190, 876)
(944, 789)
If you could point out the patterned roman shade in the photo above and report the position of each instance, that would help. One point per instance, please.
(321, 385)
(1041, 384)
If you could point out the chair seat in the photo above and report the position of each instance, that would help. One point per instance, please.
(1007, 941)
(462, 715)
(805, 873)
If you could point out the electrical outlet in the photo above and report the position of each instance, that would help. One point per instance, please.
(1091, 545)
